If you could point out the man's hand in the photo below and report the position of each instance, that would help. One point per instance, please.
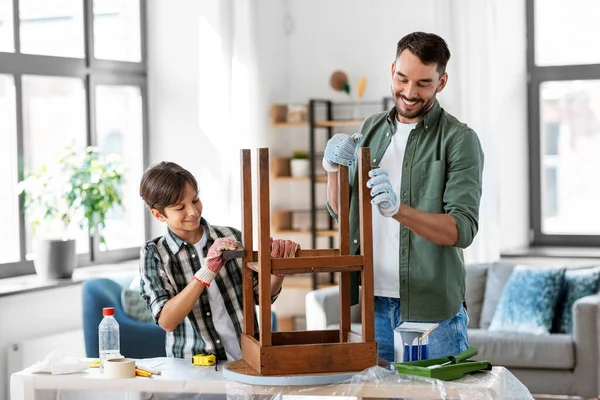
(340, 150)
(214, 260)
(281, 248)
(382, 192)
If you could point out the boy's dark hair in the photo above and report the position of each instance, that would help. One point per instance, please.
(429, 47)
(163, 185)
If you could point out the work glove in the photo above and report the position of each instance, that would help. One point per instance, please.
(340, 150)
(281, 248)
(214, 260)
(382, 192)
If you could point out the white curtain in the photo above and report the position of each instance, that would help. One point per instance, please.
(231, 107)
(472, 95)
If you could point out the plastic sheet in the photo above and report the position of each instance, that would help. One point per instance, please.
(181, 380)
(380, 382)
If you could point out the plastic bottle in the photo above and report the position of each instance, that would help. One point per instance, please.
(108, 336)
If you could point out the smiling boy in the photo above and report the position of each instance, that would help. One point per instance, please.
(193, 293)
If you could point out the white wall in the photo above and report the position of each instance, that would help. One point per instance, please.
(360, 38)
(43, 313)
(300, 42)
(37, 314)
(178, 39)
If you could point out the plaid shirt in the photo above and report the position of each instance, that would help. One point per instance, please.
(167, 265)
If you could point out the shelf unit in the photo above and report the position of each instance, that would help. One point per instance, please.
(328, 117)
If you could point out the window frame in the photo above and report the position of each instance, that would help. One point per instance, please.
(92, 72)
(536, 76)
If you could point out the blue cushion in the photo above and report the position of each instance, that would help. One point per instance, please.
(135, 306)
(528, 300)
(578, 283)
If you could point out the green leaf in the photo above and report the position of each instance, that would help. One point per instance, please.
(76, 187)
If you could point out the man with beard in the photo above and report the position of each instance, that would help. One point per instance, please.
(426, 184)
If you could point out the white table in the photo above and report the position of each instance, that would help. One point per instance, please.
(180, 376)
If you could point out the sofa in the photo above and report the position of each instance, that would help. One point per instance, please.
(553, 364)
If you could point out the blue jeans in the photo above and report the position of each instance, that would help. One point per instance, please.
(449, 338)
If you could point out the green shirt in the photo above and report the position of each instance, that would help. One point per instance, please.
(442, 173)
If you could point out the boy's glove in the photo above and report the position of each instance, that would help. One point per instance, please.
(340, 150)
(382, 192)
(281, 248)
(214, 260)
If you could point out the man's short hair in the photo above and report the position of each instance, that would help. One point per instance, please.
(429, 47)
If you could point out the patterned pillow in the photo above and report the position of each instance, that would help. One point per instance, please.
(578, 283)
(528, 301)
(135, 306)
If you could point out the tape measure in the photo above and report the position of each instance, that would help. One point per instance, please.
(204, 360)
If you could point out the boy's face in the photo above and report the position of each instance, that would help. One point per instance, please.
(183, 218)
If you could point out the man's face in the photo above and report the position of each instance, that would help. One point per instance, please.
(414, 87)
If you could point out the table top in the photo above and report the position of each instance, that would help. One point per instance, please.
(180, 376)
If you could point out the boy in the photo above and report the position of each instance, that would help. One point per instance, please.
(193, 293)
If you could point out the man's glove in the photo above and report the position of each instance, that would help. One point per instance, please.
(340, 150)
(382, 192)
(281, 248)
(214, 260)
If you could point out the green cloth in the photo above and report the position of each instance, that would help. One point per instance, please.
(442, 173)
(135, 306)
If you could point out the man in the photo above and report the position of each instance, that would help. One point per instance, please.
(426, 183)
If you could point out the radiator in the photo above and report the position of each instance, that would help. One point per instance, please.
(27, 352)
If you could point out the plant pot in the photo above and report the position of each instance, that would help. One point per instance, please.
(300, 168)
(55, 259)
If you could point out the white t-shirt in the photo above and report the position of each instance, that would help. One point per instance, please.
(220, 317)
(386, 231)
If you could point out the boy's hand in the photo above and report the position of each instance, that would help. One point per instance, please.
(214, 260)
(281, 248)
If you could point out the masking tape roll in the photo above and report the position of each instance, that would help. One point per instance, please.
(118, 368)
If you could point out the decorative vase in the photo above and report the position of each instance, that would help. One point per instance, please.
(55, 259)
(299, 167)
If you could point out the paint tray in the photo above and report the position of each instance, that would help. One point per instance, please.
(458, 367)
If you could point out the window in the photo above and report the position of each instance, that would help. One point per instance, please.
(6, 26)
(564, 121)
(53, 28)
(72, 73)
(45, 100)
(117, 30)
(119, 127)
(9, 243)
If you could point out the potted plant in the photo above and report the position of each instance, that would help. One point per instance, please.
(300, 164)
(73, 191)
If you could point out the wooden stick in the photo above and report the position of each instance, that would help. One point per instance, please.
(264, 247)
(366, 245)
(344, 236)
(247, 279)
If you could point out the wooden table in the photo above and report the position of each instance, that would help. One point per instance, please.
(180, 376)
